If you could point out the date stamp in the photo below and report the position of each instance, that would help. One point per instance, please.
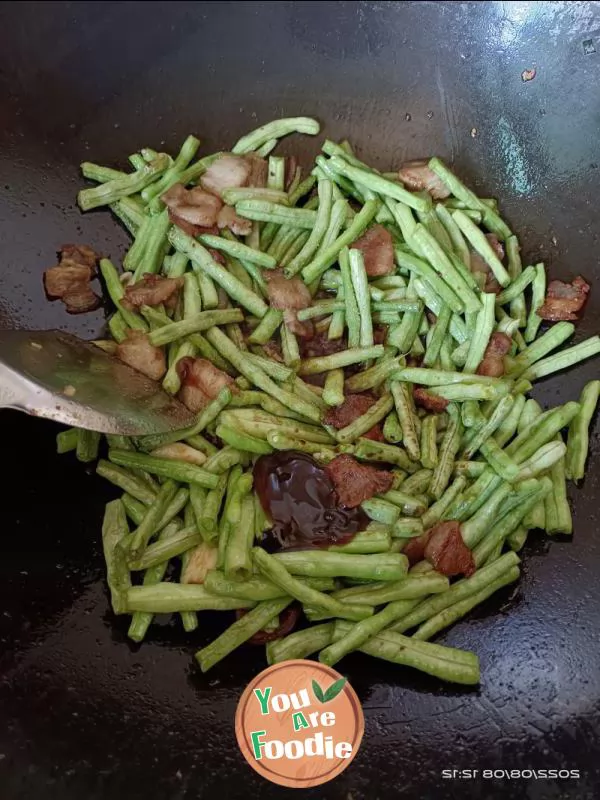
(511, 774)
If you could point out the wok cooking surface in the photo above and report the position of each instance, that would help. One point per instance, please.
(85, 713)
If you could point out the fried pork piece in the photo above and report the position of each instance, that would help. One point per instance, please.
(492, 364)
(230, 171)
(428, 401)
(377, 247)
(289, 295)
(564, 300)
(417, 176)
(192, 210)
(69, 280)
(355, 482)
(444, 548)
(137, 351)
(479, 265)
(201, 382)
(229, 219)
(354, 406)
(152, 290)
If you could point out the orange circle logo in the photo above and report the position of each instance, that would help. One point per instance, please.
(299, 723)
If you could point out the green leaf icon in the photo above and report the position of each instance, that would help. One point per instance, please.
(318, 692)
(335, 688)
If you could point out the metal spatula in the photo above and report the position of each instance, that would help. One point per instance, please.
(56, 375)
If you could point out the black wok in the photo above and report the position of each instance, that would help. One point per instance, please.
(86, 714)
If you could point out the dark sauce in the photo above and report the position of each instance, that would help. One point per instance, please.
(299, 498)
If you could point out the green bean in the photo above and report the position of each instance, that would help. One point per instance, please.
(116, 293)
(282, 441)
(114, 534)
(363, 300)
(438, 510)
(118, 187)
(438, 377)
(300, 644)
(487, 428)
(404, 335)
(117, 327)
(561, 521)
(259, 424)
(475, 528)
(377, 540)
(376, 183)
(289, 347)
(87, 445)
(238, 552)
(445, 267)
(481, 335)
(199, 322)
(508, 426)
(435, 227)
(266, 148)
(518, 307)
(351, 310)
(457, 239)
(101, 174)
(237, 250)
(156, 246)
(325, 189)
(164, 467)
(549, 341)
(364, 630)
(517, 287)
(459, 392)
(405, 408)
(266, 327)
(141, 620)
(578, 438)
(491, 219)
(275, 130)
(542, 460)
(172, 176)
(126, 481)
(392, 430)
(417, 483)
(538, 294)
(344, 358)
(273, 570)
(458, 591)
(455, 612)
(431, 278)
(66, 441)
(381, 510)
(333, 391)
(204, 263)
(326, 564)
(257, 376)
(329, 255)
(242, 441)
(499, 461)
(517, 539)
(172, 598)
(241, 630)
(164, 549)
(447, 454)
(205, 417)
(369, 450)
(409, 588)
(446, 663)
(566, 358)
(265, 211)
(240, 194)
(440, 330)
(255, 588)
(428, 445)
(149, 524)
(541, 431)
(482, 246)
(366, 421)
(172, 382)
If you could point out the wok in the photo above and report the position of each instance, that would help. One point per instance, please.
(84, 712)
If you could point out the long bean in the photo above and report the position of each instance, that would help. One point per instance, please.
(380, 566)
(578, 439)
(300, 644)
(114, 533)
